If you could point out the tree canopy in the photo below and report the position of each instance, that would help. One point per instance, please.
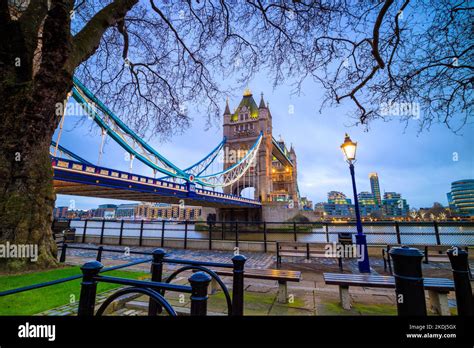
(149, 59)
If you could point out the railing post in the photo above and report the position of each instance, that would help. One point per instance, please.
(436, 230)
(88, 288)
(102, 231)
(462, 282)
(156, 271)
(327, 232)
(277, 245)
(210, 235)
(236, 234)
(397, 231)
(163, 233)
(294, 231)
(410, 294)
(199, 283)
(84, 232)
(265, 236)
(62, 258)
(99, 253)
(121, 232)
(141, 233)
(238, 285)
(185, 234)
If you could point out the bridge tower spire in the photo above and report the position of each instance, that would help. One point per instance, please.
(273, 176)
(241, 129)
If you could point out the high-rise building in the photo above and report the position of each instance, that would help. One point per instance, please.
(461, 197)
(338, 205)
(366, 198)
(375, 187)
(367, 205)
(336, 197)
(394, 205)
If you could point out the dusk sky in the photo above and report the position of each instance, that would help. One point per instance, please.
(421, 166)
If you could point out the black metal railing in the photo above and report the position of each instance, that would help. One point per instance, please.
(378, 233)
(198, 290)
(156, 288)
(234, 304)
(68, 279)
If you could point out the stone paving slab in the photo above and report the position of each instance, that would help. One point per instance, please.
(254, 259)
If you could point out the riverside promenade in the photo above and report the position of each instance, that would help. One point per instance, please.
(311, 296)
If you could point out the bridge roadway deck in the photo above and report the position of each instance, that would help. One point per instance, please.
(79, 179)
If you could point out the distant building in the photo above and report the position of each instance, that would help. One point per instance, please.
(367, 203)
(394, 206)
(366, 198)
(338, 205)
(88, 214)
(375, 187)
(77, 214)
(126, 211)
(336, 197)
(306, 204)
(339, 210)
(106, 211)
(451, 204)
(163, 211)
(461, 197)
(60, 212)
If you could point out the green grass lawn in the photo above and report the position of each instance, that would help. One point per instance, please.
(39, 300)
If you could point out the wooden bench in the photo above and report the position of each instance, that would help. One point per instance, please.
(436, 253)
(282, 276)
(58, 228)
(307, 250)
(62, 232)
(438, 288)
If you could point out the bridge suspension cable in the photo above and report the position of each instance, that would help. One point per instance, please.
(65, 152)
(201, 173)
(202, 165)
(123, 135)
(232, 174)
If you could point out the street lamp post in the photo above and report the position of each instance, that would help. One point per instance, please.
(349, 149)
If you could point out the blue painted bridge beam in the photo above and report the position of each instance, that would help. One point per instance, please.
(76, 178)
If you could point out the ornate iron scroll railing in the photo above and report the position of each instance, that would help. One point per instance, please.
(156, 288)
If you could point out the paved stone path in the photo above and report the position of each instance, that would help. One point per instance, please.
(254, 259)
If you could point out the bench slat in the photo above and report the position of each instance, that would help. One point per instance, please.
(268, 274)
(383, 281)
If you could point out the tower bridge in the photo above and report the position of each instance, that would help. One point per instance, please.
(217, 180)
(273, 174)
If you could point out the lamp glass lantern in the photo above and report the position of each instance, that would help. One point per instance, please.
(349, 149)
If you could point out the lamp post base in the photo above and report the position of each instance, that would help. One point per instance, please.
(364, 264)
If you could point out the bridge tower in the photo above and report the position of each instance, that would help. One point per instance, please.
(241, 129)
(274, 174)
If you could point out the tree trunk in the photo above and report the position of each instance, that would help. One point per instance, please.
(35, 77)
(27, 196)
(28, 120)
